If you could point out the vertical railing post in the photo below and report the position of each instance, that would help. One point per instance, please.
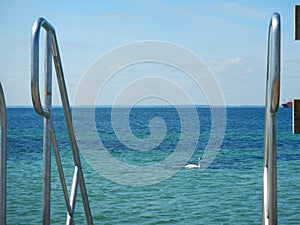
(47, 130)
(2, 158)
(269, 198)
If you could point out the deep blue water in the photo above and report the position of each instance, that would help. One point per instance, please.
(227, 192)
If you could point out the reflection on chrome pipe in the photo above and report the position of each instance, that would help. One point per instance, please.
(269, 198)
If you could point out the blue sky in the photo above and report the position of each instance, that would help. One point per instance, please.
(230, 36)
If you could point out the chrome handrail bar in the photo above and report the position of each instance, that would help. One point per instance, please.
(269, 196)
(53, 50)
(2, 158)
(60, 171)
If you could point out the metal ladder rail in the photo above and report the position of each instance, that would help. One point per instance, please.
(269, 195)
(2, 158)
(52, 50)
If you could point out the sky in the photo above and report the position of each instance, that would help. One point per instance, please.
(229, 36)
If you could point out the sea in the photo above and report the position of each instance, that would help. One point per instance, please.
(228, 191)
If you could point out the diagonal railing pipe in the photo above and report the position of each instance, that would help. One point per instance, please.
(269, 196)
(2, 158)
(53, 50)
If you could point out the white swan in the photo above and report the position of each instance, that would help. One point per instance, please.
(193, 166)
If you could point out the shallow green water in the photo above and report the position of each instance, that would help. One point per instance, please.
(228, 192)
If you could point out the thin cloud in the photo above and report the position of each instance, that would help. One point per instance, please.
(241, 66)
(241, 11)
(121, 16)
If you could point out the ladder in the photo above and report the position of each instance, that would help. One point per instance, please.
(269, 199)
(52, 51)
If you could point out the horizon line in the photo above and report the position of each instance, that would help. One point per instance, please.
(140, 106)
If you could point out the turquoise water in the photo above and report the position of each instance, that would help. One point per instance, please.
(228, 192)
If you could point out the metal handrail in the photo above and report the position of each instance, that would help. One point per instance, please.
(45, 111)
(2, 157)
(269, 197)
